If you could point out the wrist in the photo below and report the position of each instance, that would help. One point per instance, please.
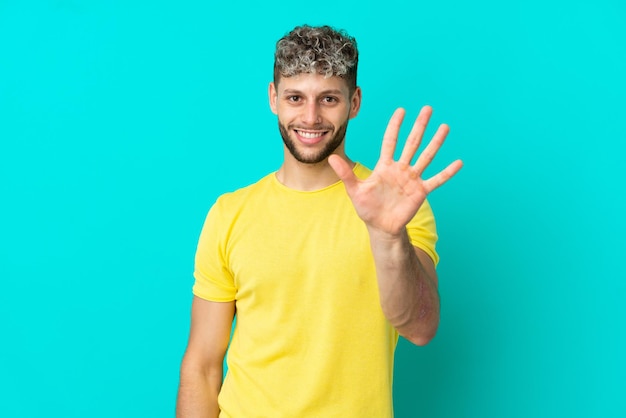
(380, 235)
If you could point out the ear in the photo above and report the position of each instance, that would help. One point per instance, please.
(355, 102)
(273, 95)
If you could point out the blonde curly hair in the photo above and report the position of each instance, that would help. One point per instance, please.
(322, 50)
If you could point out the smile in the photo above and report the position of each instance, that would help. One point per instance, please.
(310, 135)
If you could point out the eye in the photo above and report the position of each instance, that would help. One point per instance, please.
(329, 100)
(293, 99)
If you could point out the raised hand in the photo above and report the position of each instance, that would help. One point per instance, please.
(389, 198)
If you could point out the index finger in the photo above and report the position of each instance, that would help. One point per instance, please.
(390, 138)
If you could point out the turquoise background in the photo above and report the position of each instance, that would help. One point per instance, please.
(122, 121)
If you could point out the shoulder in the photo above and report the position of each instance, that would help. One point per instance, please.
(230, 206)
(241, 196)
(361, 171)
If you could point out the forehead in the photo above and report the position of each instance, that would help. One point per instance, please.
(312, 83)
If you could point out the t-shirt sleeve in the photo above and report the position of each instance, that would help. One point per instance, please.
(422, 231)
(213, 278)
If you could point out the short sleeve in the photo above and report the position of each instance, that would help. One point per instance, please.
(213, 278)
(422, 231)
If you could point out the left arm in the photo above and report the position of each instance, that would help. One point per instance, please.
(407, 283)
(386, 201)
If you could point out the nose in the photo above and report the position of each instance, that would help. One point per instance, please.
(311, 114)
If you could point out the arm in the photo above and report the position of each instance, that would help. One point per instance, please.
(407, 283)
(386, 201)
(201, 369)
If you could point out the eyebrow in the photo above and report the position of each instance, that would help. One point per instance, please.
(323, 93)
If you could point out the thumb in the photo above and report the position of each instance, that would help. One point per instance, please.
(343, 171)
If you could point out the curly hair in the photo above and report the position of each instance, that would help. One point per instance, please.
(322, 50)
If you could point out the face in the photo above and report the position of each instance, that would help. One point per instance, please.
(313, 114)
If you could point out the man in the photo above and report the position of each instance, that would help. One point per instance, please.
(324, 263)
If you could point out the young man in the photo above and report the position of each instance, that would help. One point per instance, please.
(324, 262)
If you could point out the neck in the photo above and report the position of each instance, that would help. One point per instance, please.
(308, 177)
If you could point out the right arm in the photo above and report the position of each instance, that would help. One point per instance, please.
(202, 366)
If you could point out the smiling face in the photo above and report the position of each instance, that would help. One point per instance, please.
(313, 113)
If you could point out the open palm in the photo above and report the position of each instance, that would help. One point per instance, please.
(391, 196)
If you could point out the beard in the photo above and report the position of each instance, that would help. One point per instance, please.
(316, 156)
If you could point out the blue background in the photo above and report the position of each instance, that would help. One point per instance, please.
(121, 122)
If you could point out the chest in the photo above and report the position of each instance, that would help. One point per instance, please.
(297, 252)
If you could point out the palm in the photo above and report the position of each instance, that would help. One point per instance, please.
(394, 192)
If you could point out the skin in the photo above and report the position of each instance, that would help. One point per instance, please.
(310, 103)
(313, 111)
(201, 370)
(386, 201)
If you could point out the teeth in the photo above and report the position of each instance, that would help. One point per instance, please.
(310, 135)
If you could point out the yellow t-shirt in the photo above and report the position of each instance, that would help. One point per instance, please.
(310, 338)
